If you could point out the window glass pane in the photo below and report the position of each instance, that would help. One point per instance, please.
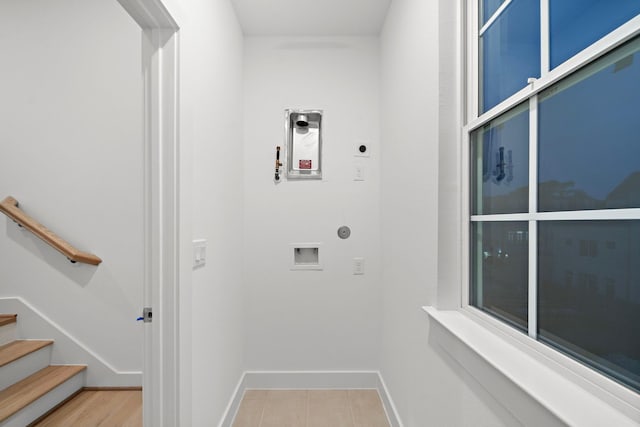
(576, 24)
(500, 270)
(509, 52)
(589, 293)
(589, 144)
(487, 9)
(500, 153)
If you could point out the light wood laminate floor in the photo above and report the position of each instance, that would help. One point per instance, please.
(311, 408)
(118, 408)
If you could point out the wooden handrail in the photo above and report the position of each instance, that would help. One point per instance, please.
(9, 207)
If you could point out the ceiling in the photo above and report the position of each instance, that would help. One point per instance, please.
(311, 17)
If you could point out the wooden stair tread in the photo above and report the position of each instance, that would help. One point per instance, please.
(19, 348)
(6, 319)
(22, 393)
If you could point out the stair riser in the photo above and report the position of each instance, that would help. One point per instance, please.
(47, 402)
(25, 366)
(8, 333)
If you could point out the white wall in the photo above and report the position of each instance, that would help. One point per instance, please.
(212, 331)
(421, 231)
(311, 320)
(71, 153)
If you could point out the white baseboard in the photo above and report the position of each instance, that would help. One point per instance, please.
(67, 350)
(310, 379)
(234, 403)
(387, 403)
(292, 380)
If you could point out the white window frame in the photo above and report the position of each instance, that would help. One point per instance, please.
(618, 396)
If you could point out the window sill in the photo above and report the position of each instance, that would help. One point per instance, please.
(564, 398)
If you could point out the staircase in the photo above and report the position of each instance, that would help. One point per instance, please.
(29, 386)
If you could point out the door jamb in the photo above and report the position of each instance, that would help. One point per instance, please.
(160, 59)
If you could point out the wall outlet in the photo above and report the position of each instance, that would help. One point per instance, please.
(358, 266)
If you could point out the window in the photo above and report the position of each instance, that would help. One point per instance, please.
(576, 24)
(555, 177)
(510, 50)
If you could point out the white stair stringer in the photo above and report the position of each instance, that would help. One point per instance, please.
(25, 366)
(45, 403)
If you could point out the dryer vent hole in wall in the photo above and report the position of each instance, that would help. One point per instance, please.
(306, 256)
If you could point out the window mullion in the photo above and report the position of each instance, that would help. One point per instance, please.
(545, 38)
(533, 154)
(533, 225)
(493, 18)
(533, 279)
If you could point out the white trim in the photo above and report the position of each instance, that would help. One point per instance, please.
(465, 233)
(294, 380)
(493, 18)
(449, 124)
(588, 55)
(545, 38)
(519, 97)
(231, 410)
(309, 380)
(587, 215)
(387, 402)
(149, 14)
(545, 374)
(161, 231)
(161, 256)
(473, 66)
(533, 281)
(533, 154)
(533, 225)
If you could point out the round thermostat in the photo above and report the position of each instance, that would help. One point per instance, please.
(344, 232)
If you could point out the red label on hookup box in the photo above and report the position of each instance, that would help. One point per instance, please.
(305, 164)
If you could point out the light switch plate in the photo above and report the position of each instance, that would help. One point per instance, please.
(358, 266)
(199, 253)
